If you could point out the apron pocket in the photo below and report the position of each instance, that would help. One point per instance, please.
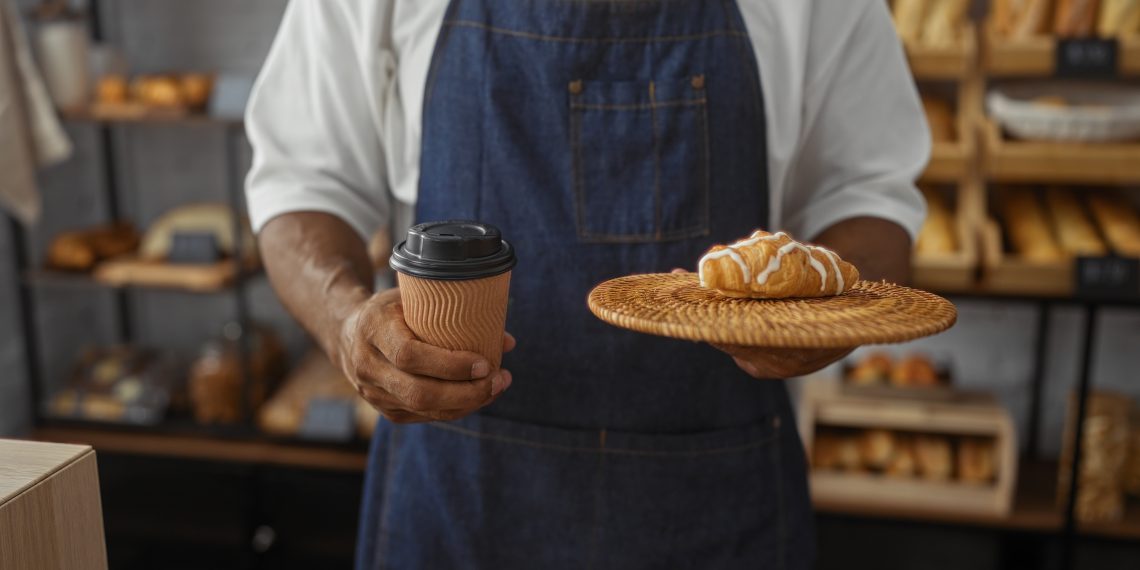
(640, 159)
(484, 492)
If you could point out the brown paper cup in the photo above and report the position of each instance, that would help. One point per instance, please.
(458, 315)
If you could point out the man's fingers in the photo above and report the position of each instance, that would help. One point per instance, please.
(509, 342)
(679, 270)
(424, 395)
(401, 347)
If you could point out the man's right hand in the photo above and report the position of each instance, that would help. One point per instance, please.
(407, 380)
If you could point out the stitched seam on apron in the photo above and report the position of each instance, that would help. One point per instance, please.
(596, 538)
(706, 163)
(577, 40)
(656, 160)
(382, 543)
(782, 531)
(610, 451)
(638, 106)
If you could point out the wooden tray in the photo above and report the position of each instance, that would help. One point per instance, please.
(675, 305)
(132, 271)
(1056, 162)
(944, 63)
(824, 405)
(1035, 57)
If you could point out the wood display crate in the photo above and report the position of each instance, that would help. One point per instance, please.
(1035, 57)
(825, 405)
(1006, 160)
(941, 63)
(955, 271)
(50, 512)
(955, 161)
(1005, 273)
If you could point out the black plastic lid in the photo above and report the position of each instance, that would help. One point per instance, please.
(453, 250)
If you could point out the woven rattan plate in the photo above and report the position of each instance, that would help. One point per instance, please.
(675, 305)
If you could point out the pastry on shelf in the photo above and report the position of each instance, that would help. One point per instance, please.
(940, 117)
(909, 17)
(914, 371)
(1075, 232)
(195, 89)
(120, 384)
(1021, 19)
(81, 250)
(1028, 227)
(937, 234)
(902, 464)
(161, 91)
(826, 451)
(874, 369)
(313, 379)
(1119, 222)
(217, 383)
(934, 457)
(112, 90)
(876, 448)
(944, 19)
(977, 460)
(1119, 18)
(1075, 18)
(774, 266)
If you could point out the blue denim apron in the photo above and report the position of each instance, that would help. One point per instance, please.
(604, 138)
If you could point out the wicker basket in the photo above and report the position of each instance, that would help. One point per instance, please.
(1100, 497)
(1096, 113)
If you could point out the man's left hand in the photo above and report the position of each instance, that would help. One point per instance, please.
(780, 363)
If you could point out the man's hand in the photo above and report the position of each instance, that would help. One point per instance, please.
(781, 363)
(407, 380)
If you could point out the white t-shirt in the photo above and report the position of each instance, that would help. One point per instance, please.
(335, 116)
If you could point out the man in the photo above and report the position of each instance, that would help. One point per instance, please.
(604, 138)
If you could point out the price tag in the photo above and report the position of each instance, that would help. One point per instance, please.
(1087, 57)
(328, 420)
(1108, 277)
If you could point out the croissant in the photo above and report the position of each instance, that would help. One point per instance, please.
(774, 266)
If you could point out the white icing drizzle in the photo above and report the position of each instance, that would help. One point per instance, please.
(839, 284)
(730, 251)
(775, 262)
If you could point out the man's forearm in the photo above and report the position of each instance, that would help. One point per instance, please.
(879, 248)
(320, 269)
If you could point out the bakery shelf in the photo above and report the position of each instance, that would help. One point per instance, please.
(956, 271)
(1035, 57)
(49, 278)
(1004, 273)
(153, 118)
(248, 448)
(1057, 163)
(944, 63)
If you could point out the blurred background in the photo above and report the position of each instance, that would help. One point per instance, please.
(134, 317)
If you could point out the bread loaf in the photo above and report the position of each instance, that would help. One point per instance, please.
(1075, 18)
(940, 118)
(1075, 232)
(944, 19)
(1020, 19)
(1028, 227)
(1119, 222)
(1119, 18)
(937, 234)
(909, 16)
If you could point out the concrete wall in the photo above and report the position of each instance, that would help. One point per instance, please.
(161, 167)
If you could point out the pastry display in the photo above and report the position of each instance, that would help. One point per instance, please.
(81, 250)
(940, 117)
(977, 460)
(1118, 18)
(934, 457)
(176, 93)
(1075, 232)
(944, 18)
(1104, 450)
(902, 463)
(209, 219)
(119, 384)
(774, 266)
(880, 369)
(216, 382)
(914, 371)
(876, 448)
(937, 234)
(1075, 18)
(874, 369)
(1020, 19)
(315, 378)
(1028, 227)
(1119, 222)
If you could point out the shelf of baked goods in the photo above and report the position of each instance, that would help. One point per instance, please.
(191, 248)
(954, 146)
(1010, 54)
(1034, 244)
(946, 253)
(954, 59)
(190, 98)
(1023, 161)
(205, 447)
(130, 115)
(128, 399)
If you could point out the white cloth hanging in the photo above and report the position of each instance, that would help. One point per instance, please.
(31, 136)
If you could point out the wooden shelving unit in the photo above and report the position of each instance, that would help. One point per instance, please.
(1035, 57)
(209, 447)
(951, 64)
(63, 279)
(1057, 163)
(155, 117)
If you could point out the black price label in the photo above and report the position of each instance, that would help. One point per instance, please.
(193, 247)
(1087, 57)
(1108, 277)
(328, 420)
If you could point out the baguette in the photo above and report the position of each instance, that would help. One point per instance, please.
(937, 234)
(1028, 227)
(909, 16)
(1020, 19)
(1075, 18)
(1119, 222)
(1119, 18)
(943, 21)
(1075, 232)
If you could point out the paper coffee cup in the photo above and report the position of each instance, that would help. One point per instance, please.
(454, 282)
